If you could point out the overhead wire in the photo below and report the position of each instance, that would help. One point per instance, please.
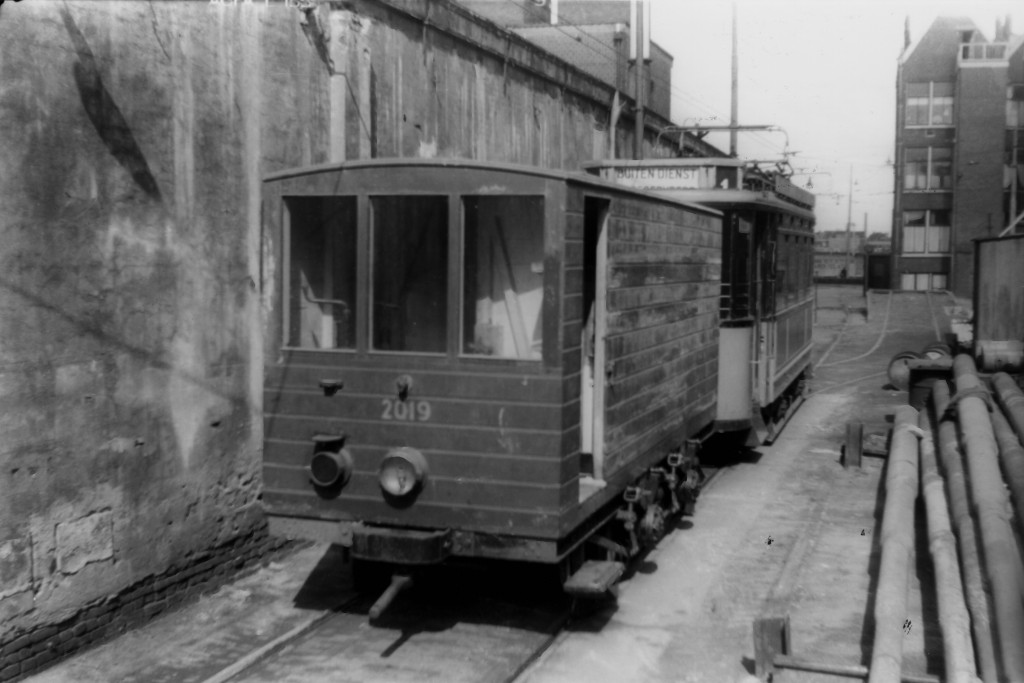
(611, 54)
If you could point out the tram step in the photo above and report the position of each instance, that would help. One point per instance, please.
(594, 578)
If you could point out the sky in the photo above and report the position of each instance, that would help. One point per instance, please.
(823, 70)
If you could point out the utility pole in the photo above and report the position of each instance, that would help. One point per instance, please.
(735, 106)
(849, 221)
(864, 248)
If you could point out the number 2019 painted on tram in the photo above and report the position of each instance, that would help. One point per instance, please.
(405, 411)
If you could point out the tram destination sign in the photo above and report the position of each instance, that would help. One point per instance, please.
(662, 177)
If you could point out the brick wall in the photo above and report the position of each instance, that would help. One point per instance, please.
(23, 653)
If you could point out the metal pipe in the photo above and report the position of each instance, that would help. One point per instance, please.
(963, 524)
(399, 582)
(1011, 458)
(990, 507)
(897, 544)
(847, 670)
(1011, 398)
(954, 621)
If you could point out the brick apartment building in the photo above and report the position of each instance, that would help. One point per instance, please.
(959, 150)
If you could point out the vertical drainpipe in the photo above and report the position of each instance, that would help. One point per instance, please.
(896, 238)
(636, 58)
(338, 84)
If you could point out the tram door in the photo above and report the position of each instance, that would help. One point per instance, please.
(595, 329)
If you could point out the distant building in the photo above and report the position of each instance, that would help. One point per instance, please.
(834, 257)
(959, 150)
(834, 241)
(592, 35)
(878, 243)
(832, 265)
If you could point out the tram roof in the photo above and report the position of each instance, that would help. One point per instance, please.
(579, 177)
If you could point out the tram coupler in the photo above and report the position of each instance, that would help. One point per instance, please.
(685, 477)
(627, 515)
(399, 582)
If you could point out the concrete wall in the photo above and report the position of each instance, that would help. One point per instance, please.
(134, 138)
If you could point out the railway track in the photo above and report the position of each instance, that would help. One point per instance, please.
(465, 626)
(480, 623)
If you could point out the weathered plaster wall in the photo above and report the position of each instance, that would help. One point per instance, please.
(134, 138)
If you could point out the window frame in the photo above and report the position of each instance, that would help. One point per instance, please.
(939, 98)
(934, 159)
(929, 230)
(287, 314)
(461, 307)
(370, 254)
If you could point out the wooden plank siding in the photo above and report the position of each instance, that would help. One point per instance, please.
(664, 272)
(493, 437)
(999, 289)
(492, 441)
(501, 436)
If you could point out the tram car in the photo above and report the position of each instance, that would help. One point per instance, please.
(767, 298)
(478, 360)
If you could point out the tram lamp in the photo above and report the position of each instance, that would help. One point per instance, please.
(331, 464)
(402, 472)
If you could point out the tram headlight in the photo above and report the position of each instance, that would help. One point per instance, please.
(330, 468)
(402, 472)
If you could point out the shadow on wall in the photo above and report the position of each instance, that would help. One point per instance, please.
(90, 328)
(104, 113)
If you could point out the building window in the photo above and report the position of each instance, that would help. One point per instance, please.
(1015, 106)
(929, 104)
(926, 232)
(1013, 172)
(922, 282)
(928, 168)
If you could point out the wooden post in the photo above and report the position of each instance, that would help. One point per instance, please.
(854, 444)
(771, 637)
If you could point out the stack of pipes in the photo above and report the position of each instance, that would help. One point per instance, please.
(965, 450)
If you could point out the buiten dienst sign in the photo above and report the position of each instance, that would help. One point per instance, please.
(662, 177)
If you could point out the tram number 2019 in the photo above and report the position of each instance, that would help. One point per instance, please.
(405, 411)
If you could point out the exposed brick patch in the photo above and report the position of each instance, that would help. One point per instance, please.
(27, 652)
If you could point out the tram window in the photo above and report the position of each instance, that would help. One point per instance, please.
(503, 277)
(409, 273)
(736, 300)
(321, 272)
